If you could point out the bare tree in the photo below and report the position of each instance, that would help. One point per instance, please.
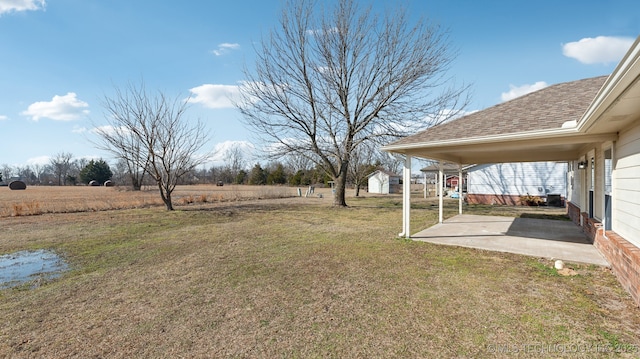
(234, 160)
(6, 173)
(151, 132)
(391, 162)
(61, 166)
(362, 164)
(119, 139)
(327, 81)
(38, 169)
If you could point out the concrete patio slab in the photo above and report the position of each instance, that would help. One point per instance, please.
(549, 239)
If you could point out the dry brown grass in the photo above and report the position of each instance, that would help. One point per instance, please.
(36, 200)
(296, 278)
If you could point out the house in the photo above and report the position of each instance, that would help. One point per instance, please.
(451, 176)
(383, 182)
(592, 124)
(508, 183)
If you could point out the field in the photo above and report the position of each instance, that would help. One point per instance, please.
(242, 277)
(37, 200)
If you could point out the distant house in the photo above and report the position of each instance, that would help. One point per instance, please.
(592, 124)
(383, 182)
(506, 183)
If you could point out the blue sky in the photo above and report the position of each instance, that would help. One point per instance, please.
(59, 58)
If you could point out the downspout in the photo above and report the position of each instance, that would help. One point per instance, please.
(441, 189)
(406, 198)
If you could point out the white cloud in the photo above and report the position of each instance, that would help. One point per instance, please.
(60, 108)
(78, 129)
(517, 91)
(108, 129)
(215, 96)
(7, 6)
(598, 50)
(41, 160)
(220, 151)
(3, 118)
(225, 48)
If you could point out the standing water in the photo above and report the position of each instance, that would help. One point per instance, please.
(20, 267)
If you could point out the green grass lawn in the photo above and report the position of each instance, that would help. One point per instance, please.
(298, 278)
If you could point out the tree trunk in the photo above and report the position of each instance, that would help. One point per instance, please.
(340, 183)
(166, 197)
(167, 202)
(357, 190)
(136, 183)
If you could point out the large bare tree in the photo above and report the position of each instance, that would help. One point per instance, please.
(151, 132)
(327, 80)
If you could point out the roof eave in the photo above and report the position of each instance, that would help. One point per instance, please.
(613, 87)
(518, 136)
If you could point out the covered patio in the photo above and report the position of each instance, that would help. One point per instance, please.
(592, 124)
(543, 238)
(539, 126)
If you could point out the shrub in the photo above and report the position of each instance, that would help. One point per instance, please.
(530, 200)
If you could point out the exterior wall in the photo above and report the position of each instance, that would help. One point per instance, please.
(380, 182)
(624, 258)
(504, 183)
(626, 186)
(621, 245)
(575, 176)
(573, 211)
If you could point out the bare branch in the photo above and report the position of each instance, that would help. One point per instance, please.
(151, 134)
(328, 81)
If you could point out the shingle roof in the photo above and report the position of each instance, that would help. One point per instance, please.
(388, 173)
(544, 109)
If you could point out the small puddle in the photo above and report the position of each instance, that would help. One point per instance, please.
(24, 266)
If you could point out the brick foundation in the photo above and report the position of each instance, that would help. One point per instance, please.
(493, 199)
(623, 256)
(573, 212)
(499, 199)
(590, 226)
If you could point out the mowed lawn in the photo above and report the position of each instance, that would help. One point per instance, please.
(297, 278)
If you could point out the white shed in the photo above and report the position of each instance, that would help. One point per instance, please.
(383, 182)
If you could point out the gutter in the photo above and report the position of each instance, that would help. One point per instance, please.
(518, 136)
(613, 87)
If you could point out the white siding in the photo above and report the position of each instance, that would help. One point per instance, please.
(599, 184)
(626, 186)
(534, 178)
(380, 182)
(575, 184)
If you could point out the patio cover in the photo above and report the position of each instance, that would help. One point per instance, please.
(552, 124)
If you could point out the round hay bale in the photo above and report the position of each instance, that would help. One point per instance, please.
(17, 185)
(93, 183)
(108, 183)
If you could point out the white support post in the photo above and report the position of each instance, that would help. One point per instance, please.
(424, 176)
(406, 198)
(460, 181)
(441, 192)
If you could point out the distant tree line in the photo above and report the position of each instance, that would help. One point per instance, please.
(65, 170)
(62, 170)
